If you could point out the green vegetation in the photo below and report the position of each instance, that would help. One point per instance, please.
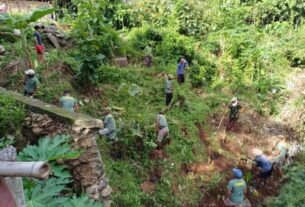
(12, 116)
(53, 191)
(238, 48)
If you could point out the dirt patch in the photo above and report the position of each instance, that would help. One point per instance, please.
(219, 163)
(157, 154)
(148, 187)
(63, 68)
(232, 147)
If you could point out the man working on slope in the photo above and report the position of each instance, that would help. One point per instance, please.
(161, 128)
(68, 102)
(168, 89)
(31, 83)
(237, 188)
(263, 163)
(279, 155)
(110, 127)
(181, 70)
(38, 44)
(234, 113)
(110, 132)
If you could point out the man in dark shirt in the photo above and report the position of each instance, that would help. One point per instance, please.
(234, 113)
(38, 44)
(263, 163)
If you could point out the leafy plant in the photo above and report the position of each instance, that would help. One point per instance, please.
(49, 192)
(22, 22)
(51, 149)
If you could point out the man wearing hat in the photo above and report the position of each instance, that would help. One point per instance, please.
(237, 188)
(168, 89)
(109, 125)
(68, 102)
(234, 113)
(263, 163)
(181, 70)
(31, 83)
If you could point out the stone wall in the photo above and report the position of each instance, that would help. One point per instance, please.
(48, 120)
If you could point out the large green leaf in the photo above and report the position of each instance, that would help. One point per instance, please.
(21, 22)
(39, 13)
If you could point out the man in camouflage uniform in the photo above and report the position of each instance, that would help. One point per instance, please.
(234, 113)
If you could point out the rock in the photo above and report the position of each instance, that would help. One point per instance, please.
(121, 61)
(89, 123)
(37, 130)
(107, 191)
(85, 143)
(77, 128)
(93, 189)
(107, 203)
(103, 184)
(54, 40)
(8, 154)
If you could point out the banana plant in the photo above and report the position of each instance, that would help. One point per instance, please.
(9, 23)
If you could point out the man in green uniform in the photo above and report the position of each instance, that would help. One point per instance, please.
(31, 84)
(68, 102)
(234, 113)
(109, 125)
(162, 128)
(110, 132)
(279, 155)
(237, 188)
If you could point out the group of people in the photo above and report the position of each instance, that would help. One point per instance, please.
(237, 187)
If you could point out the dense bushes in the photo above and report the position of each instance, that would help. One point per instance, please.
(166, 44)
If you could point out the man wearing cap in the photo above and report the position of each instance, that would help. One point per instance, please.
(234, 113)
(68, 102)
(109, 125)
(180, 70)
(237, 188)
(31, 84)
(162, 128)
(168, 89)
(263, 163)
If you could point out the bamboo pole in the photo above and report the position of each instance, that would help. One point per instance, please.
(25, 169)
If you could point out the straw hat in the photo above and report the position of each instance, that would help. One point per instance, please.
(255, 152)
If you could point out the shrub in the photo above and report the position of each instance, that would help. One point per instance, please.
(12, 114)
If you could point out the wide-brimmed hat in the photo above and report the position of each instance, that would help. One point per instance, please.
(234, 99)
(255, 152)
(30, 72)
(237, 172)
(170, 77)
